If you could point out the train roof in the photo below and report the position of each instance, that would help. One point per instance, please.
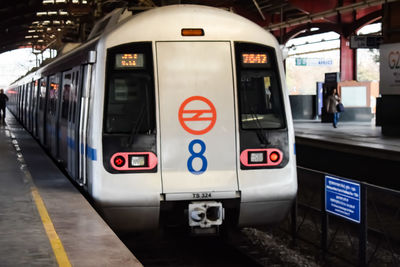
(166, 23)
(163, 24)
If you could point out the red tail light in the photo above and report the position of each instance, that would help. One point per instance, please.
(128, 161)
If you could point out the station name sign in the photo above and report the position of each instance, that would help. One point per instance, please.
(365, 41)
(342, 198)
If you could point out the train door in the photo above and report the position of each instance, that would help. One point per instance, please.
(197, 119)
(82, 118)
(42, 111)
(63, 116)
(73, 129)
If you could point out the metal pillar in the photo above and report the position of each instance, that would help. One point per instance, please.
(324, 221)
(347, 60)
(363, 235)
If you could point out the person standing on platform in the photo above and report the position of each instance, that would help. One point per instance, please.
(3, 102)
(333, 101)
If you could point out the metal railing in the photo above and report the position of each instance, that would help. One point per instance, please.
(373, 241)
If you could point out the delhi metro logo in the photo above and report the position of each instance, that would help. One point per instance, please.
(197, 115)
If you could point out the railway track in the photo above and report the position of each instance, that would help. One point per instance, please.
(249, 247)
(183, 250)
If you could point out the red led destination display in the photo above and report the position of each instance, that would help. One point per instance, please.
(258, 59)
(129, 61)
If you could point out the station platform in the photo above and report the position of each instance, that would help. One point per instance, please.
(353, 150)
(363, 138)
(44, 219)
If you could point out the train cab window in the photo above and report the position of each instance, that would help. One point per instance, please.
(130, 103)
(259, 89)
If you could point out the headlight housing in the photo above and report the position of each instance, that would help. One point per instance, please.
(131, 161)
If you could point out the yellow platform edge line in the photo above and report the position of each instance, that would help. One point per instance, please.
(56, 244)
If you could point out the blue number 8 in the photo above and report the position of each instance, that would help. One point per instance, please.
(197, 155)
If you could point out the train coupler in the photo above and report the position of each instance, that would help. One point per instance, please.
(205, 217)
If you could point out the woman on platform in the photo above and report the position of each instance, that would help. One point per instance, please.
(333, 101)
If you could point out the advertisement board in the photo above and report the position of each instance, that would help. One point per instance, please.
(389, 69)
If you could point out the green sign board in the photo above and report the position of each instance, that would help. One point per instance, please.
(305, 61)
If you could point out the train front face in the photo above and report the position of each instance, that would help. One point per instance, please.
(196, 129)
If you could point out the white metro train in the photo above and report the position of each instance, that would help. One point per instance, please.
(177, 116)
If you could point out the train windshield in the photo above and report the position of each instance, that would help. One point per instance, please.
(130, 104)
(259, 89)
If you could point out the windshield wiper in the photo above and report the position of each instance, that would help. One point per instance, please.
(261, 134)
(137, 125)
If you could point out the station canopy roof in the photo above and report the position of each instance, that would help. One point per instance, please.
(42, 24)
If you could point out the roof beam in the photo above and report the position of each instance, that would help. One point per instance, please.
(259, 9)
(327, 13)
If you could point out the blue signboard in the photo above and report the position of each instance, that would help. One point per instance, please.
(342, 198)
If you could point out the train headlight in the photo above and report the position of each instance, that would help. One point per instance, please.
(274, 156)
(257, 157)
(137, 161)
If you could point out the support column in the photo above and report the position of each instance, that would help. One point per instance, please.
(347, 60)
(388, 105)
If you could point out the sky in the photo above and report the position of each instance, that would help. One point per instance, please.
(14, 64)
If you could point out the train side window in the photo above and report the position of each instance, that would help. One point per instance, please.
(27, 91)
(54, 82)
(23, 96)
(19, 101)
(28, 95)
(66, 90)
(42, 93)
(35, 94)
(71, 98)
(259, 88)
